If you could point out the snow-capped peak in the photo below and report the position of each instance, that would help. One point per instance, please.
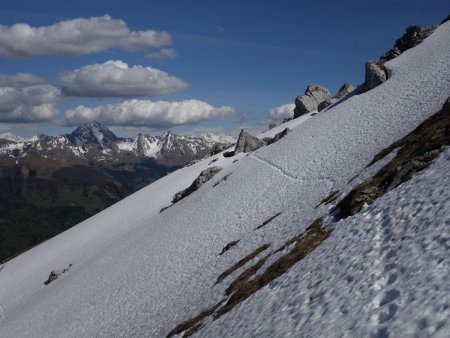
(93, 132)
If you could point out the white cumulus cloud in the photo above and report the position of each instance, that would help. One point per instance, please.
(35, 103)
(163, 53)
(145, 113)
(281, 112)
(20, 80)
(77, 37)
(116, 79)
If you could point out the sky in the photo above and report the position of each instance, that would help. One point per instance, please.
(191, 66)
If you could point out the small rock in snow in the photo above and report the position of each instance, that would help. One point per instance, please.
(54, 274)
(247, 143)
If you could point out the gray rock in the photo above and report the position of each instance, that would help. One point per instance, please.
(204, 177)
(278, 136)
(376, 74)
(411, 168)
(54, 274)
(345, 89)
(412, 37)
(310, 100)
(247, 143)
(218, 148)
(327, 103)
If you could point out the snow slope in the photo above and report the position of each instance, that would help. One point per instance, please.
(138, 272)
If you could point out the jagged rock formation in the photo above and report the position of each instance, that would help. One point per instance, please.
(412, 37)
(310, 100)
(93, 133)
(204, 177)
(247, 143)
(376, 72)
(345, 89)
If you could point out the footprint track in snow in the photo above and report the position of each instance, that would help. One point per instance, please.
(290, 176)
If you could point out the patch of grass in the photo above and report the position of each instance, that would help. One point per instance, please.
(268, 221)
(415, 152)
(242, 262)
(304, 245)
(245, 275)
(243, 287)
(329, 199)
(193, 324)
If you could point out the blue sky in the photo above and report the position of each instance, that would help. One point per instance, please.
(251, 56)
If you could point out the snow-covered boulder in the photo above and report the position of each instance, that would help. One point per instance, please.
(247, 143)
(310, 100)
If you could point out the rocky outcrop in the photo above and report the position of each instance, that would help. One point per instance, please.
(415, 152)
(277, 136)
(218, 148)
(445, 20)
(376, 74)
(345, 89)
(327, 103)
(412, 37)
(310, 100)
(54, 274)
(204, 177)
(247, 143)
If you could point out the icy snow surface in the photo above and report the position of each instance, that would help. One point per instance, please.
(137, 272)
(384, 271)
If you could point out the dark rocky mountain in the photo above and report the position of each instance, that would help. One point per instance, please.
(93, 133)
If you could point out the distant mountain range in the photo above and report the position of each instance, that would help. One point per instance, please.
(50, 183)
(93, 142)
